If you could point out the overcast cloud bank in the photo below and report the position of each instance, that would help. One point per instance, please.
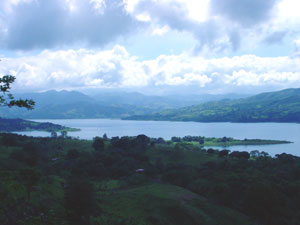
(43, 30)
(116, 68)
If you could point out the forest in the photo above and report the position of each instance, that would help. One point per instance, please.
(143, 181)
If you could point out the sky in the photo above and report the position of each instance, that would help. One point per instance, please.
(155, 47)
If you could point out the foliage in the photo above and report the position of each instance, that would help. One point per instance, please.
(7, 99)
(132, 182)
(98, 144)
(225, 141)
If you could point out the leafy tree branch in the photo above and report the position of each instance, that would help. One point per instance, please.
(7, 99)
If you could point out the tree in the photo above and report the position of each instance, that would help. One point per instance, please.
(98, 144)
(264, 154)
(141, 141)
(201, 141)
(224, 139)
(176, 139)
(105, 138)
(63, 133)
(53, 134)
(240, 155)
(7, 99)
(223, 153)
(159, 140)
(254, 153)
(210, 151)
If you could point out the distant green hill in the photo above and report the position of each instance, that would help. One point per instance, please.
(280, 106)
(10, 125)
(162, 204)
(75, 105)
(69, 105)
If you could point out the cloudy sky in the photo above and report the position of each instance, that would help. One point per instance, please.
(151, 46)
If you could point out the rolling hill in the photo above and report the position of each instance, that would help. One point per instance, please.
(68, 105)
(75, 105)
(280, 106)
(10, 125)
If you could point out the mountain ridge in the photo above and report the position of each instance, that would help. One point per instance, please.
(74, 105)
(280, 106)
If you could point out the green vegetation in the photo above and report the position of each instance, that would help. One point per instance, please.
(10, 125)
(167, 205)
(7, 99)
(281, 106)
(143, 181)
(225, 141)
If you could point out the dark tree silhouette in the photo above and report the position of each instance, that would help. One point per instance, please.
(201, 141)
(98, 144)
(7, 99)
(223, 153)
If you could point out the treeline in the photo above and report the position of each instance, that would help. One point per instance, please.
(225, 141)
(142, 180)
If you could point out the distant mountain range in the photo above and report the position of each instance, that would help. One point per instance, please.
(280, 106)
(159, 102)
(73, 104)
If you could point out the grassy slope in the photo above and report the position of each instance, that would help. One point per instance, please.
(161, 204)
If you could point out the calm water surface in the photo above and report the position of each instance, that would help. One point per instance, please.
(165, 129)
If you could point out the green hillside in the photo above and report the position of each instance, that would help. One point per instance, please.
(75, 105)
(10, 125)
(281, 106)
(142, 181)
(163, 204)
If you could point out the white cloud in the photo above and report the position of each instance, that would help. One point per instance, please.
(197, 10)
(218, 26)
(116, 68)
(143, 17)
(288, 10)
(99, 4)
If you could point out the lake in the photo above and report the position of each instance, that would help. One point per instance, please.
(166, 129)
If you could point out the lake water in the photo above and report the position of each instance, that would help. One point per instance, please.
(165, 129)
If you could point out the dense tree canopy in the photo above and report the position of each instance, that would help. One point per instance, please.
(64, 181)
